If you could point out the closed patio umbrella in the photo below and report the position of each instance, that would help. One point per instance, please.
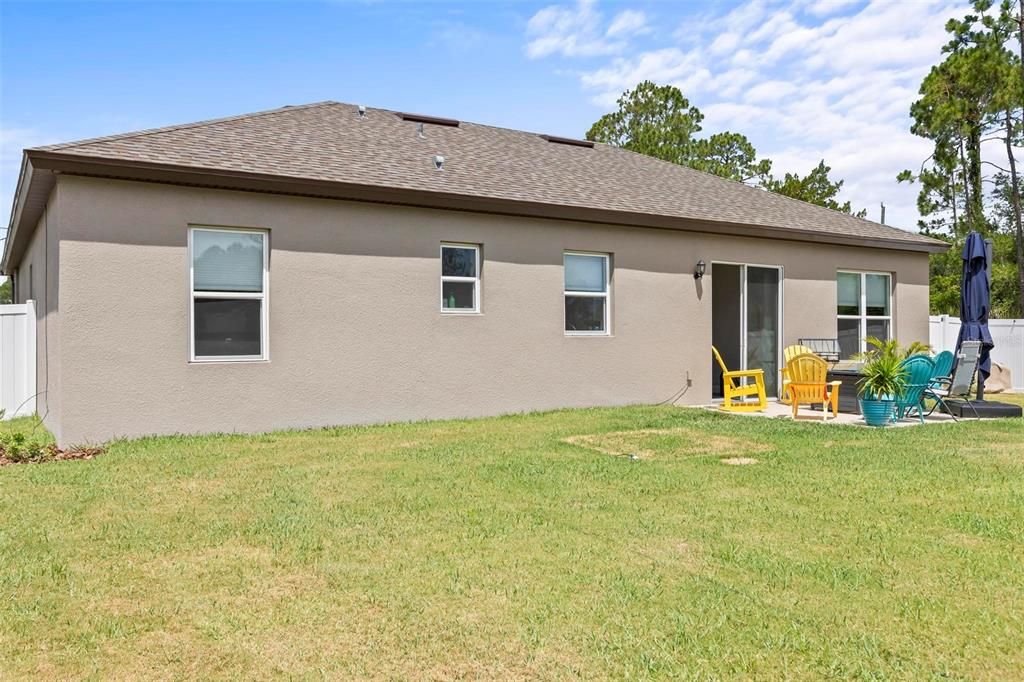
(974, 304)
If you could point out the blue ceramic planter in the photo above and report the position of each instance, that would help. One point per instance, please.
(877, 412)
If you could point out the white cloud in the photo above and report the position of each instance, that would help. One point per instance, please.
(737, 117)
(744, 17)
(770, 91)
(731, 83)
(576, 31)
(671, 66)
(792, 40)
(823, 8)
(662, 65)
(724, 43)
(805, 81)
(882, 34)
(570, 31)
(743, 58)
(628, 22)
(773, 26)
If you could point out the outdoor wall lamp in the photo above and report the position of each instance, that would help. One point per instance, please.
(698, 271)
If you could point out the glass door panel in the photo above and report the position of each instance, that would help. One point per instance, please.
(763, 324)
(726, 320)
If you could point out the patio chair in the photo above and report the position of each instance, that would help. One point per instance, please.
(788, 354)
(809, 385)
(958, 384)
(826, 349)
(920, 369)
(736, 392)
(943, 366)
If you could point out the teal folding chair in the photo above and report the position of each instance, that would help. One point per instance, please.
(919, 370)
(943, 368)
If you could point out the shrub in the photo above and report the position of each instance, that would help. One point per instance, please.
(17, 447)
(883, 373)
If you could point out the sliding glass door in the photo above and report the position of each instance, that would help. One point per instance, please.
(746, 310)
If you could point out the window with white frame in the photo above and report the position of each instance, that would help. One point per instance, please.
(228, 274)
(864, 308)
(460, 278)
(587, 303)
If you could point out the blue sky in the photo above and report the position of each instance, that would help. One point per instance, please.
(804, 79)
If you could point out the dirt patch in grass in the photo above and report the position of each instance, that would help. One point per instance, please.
(846, 442)
(677, 442)
(997, 449)
(1010, 444)
(739, 461)
(965, 540)
(682, 554)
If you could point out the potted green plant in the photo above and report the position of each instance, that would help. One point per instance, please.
(884, 378)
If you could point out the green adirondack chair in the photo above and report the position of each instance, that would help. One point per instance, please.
(920, 369)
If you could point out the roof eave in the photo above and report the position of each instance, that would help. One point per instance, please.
(259, 182)
(30, 198)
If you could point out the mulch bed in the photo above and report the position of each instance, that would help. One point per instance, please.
(53, 454)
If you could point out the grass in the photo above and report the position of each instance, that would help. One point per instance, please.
(1014, 398)
(521, 547)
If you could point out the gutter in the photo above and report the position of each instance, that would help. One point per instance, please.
(52, 162)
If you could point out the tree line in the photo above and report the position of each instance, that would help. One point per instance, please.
(971, 108)
(658, 120)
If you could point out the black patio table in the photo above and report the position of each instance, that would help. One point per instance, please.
(848, 374)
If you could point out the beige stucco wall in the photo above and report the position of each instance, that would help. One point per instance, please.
(355, 331)
(38, 277)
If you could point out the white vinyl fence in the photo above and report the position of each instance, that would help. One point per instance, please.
(1008, 336)
(17, 359)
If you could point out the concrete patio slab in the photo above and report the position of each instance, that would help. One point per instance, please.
(779, 410)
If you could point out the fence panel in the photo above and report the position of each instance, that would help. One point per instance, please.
(1008, 336)
(17, 359)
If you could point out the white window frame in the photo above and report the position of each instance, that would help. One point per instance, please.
(263, 296)
(863, 317)
(606, 294)
(451, 278)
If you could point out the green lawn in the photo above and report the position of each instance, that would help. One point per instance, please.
(524, 546)
(1015, 398)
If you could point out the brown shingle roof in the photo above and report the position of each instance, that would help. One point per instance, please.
(329, 142)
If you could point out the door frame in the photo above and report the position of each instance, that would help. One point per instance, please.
(743, 312)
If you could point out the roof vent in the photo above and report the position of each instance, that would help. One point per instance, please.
(362, 111)
(419, 118)
(438, 162)
(419, 131)
(568, 140)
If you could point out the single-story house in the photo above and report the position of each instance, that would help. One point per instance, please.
(335, 264)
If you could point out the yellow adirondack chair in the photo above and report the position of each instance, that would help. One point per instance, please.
(808, 384)
(736, 390)
(788, 354)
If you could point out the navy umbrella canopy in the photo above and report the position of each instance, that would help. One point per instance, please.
(974, 302)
